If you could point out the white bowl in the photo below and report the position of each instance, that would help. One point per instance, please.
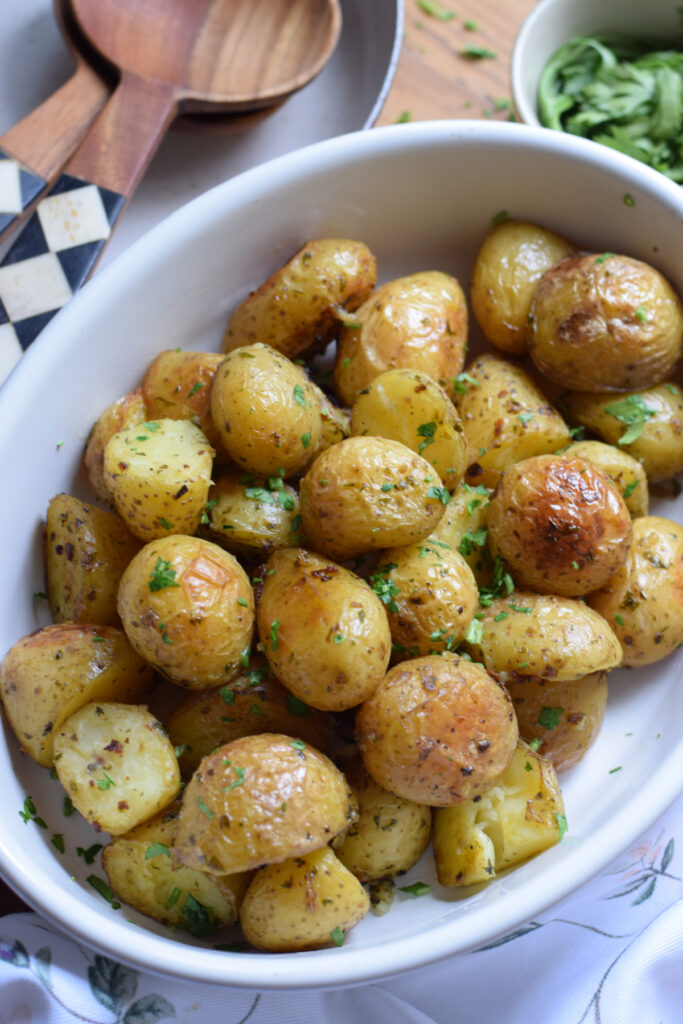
(554, 22)
(421, 196)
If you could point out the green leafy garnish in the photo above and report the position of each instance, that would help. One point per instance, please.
(471, 540)
(103, 889)
(162, 576)
(549, 718)
(337, 936)
(634, 413)
(561, 825)
(427, 431)
(439, 492)
(157, 850)
(416, 889)
(435, 10)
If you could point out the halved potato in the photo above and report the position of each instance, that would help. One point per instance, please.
(124, 414)
(117, 764)
(177, 386)
(252, 516)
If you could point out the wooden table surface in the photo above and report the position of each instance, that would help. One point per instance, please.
(439, 75)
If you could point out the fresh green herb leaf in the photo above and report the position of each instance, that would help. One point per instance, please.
(337, 936)
(561, 825)
(103, 889)
(89, 854)
(416, 889)
(404, 117)
(299, 398)
(296, 706)
(439, 492)
(274, 638)
(163, 575)
(195, 388)
(632, 411)
(157, 850)
(478, 53)
(470, 540)
(106, 782)
(204, 808)
(549, 718)
(435, 10)
(306, 439)
(475, 632)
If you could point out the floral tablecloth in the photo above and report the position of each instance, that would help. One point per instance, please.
(611, 953)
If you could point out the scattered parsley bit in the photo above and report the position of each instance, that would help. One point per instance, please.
(525, 417)
(106, 782)
(162, 576)
(165, 523)
(180, 749)
(306, 439)
(641, 315)
(274, 639)
(198, 919)
(298, 395)
(619, 620)
(630, 488)
(439, 492)
(575, 565)
(157, 850)
(427, 431)
(404, 117)
(561, 825)
(298, 744)
(470, 26)
(338, 638)
(152, 426)
(535, 743)
(462, 380)
(388, 487)
(58, 842)
(68, 808)
(435, 10)
(296, 706)
(239, 781)
(210, 505)
(103, 889)
(549, 718)
(227, 694)
(520, 608)
(500, 217)
(243, 602)
(337, 936)
(204, 809)
(173, 898)
(38, 596)
(385, 589)
(528, 767)
(89, 854)
(471, 540)
(478, 53)
(195, 388)
(613, 770)
(628, 199)
(416, 889)
(59, 445)
(634, 413)
(475, 632)
(604, 257)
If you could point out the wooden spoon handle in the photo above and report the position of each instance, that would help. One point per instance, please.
(38, 146)
(58, 247)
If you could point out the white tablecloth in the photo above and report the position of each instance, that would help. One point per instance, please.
(612, 953)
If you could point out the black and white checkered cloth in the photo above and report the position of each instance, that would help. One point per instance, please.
(51, 259)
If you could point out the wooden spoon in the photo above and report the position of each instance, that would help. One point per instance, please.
(191, 55)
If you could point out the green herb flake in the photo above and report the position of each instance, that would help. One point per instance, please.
(298, 744)
(549, 718)
(475, 632)
(603, 257)
(461, 382)
(470, 540)
(404, 117)
(416, 889)
(528, 766)
(208, 508)
(338, 638)
(57, 841)
(89, 855)
(195, 388)
(470, 26)
(306, 439)
(274, 638)
(103, 889)
(630, 488)
(632, 411)
(68, 808)
(439, 492)
(478, 53)
(296, 706)
(619, 620)
(427, 431)
(298, 395)
(173, 898)
(152, 426)
(561, 825)
(157, 850)
(435, 10)
(163, 576)
(641, 315)
(239, 781)
(227, 694)
(613, 770)
(242, 601)
(204, 808)
(628, 199)
(535, 743)
(337, 936)
(106, 782)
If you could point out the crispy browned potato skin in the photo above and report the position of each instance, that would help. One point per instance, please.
(177, 386)
(506, 418)
(323, 630)
(267, 414)
(434, 600)
(48, 675)
(659, 447)
(86, 552)
(559, 525)
(299, 307)
(125, 412)
(302, 903)
(418, 322)
(603, 322)
(625, 472)
(252, 702)
(195, 628)
(260, 800)
(368, 493)
(511, 260)
(438, 730)
(580, 704)
(643, 602)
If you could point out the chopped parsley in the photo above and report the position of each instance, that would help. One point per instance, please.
(58, 842)
(106, 782)
(632, 411)
(204, 808)
(549, 718)
(471, 540)
(385, 588)
(337, 936)
(195, 388)
(89, 854)
(274, 638)
(439, 492)
(157, 850)
(163, 576)
(306, 439)
(299, 398)
(103, 889)
(475, 632)
(561, 825)
(296, 706)
(461, 382)
(416, 889)
(427, 431)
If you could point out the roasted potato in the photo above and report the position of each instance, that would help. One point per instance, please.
(625, 472)
(48, 675)
(648, 425)
(369, 493)
(417, 322)
(463, 528)
(643, 602)
(563, 716)
(506, 418)
(177, 386)
(409, 407)
(86, 551)
(391, 834)
(138, 866)
(559, 525)
(187, 606)
(260, 800)
(518, 817)
(430, 595)
(252, 702)
(301, 306)
(252, 516)
(323, 630)
(124, 414)
(511, 259)
(267, 414)
(117, 764)
(159, 474)
(559, 638)
(604, 322)
(438, 730)
(305, 902)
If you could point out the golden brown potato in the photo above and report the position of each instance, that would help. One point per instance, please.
(86, 551)
(260, 800)
(323, 630)
(438, 730)
(177, 386)
(506, 418)
(48, 675)
(625, 472)
(409, 407)
(643, 603)
(159, 475)
(648, 425)
(336, 421)
(559, 525)
(417, 322)
(430, 595)
(187, 606)
(391, 834)
(511, 259)
(305, 902)
(559, 638)
(268, 417)
(300, 307)
(138, 866)
(124, 414)
(563, 716)
(254, 701)
(117, 764)
(252, 516)
(369, 493)
(604, 322)
(519, 817)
